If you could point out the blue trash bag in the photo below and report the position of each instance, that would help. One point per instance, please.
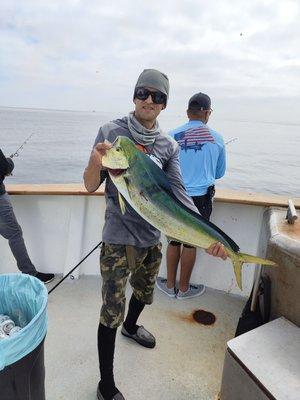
(24, 299)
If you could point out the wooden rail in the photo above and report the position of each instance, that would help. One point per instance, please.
(222, 195)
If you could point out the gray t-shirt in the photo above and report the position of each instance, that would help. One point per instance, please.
(131, 228)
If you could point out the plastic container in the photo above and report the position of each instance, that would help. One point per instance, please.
(22, 372)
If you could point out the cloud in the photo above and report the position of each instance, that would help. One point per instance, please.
(88, 54)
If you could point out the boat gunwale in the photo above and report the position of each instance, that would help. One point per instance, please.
(222, 195)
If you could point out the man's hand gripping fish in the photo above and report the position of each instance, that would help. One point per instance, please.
(146, 188)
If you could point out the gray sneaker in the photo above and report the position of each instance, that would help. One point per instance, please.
(161, 283)
(193, 291)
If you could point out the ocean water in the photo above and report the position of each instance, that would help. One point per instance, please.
(264, 158)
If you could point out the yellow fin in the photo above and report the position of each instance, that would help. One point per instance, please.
(237, 267)
(122, 203)
(247, 258)
(128, 184)
(240, 258)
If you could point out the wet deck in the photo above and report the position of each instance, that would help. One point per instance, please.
(185, 365)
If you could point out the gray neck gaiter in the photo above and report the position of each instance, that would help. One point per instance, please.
(141, 134)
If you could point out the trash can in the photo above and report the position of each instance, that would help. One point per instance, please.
(22, 370)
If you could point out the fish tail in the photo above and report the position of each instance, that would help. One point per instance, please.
(237, 266)
(247, 258)
(240, 258)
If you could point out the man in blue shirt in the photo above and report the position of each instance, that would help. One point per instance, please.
(202, 160)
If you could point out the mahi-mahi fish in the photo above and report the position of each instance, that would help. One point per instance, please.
(142, 183)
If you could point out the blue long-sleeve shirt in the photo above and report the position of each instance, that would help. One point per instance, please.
(202, 156)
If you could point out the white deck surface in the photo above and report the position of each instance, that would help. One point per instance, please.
(185, 365)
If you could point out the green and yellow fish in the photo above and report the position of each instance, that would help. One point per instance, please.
(147, 189)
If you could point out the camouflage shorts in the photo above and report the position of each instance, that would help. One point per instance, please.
(117, 262)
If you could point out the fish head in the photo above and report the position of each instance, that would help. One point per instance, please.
(119, 157)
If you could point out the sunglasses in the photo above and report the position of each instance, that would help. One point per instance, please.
(157, 97)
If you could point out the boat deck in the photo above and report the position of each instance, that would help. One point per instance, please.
(186, 363)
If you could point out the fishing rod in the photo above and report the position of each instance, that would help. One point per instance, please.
(231, 140)
(70, 272)
(16, 153)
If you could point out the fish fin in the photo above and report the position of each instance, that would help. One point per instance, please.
(122, 203)
(247, 258)
(234, 246)
(240, 258)
(162, 181)
(237, 267)
(128, 185)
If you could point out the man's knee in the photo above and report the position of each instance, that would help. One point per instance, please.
(12, 233)
(145, 296)
(112, 315)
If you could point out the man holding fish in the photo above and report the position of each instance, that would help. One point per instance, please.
(131, 244)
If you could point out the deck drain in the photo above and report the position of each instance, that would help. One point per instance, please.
(204, 317)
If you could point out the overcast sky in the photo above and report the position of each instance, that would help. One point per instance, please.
(86, 55)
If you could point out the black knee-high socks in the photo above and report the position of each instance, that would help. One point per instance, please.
(106, 349)
(134, 310)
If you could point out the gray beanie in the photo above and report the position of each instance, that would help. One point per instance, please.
(154, 79)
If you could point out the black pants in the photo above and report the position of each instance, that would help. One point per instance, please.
(204, 205)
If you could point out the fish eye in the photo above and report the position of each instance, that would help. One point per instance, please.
(118, 149)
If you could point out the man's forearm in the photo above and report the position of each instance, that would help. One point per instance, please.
(91, 177)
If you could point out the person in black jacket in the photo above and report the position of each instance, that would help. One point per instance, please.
(11, 230)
